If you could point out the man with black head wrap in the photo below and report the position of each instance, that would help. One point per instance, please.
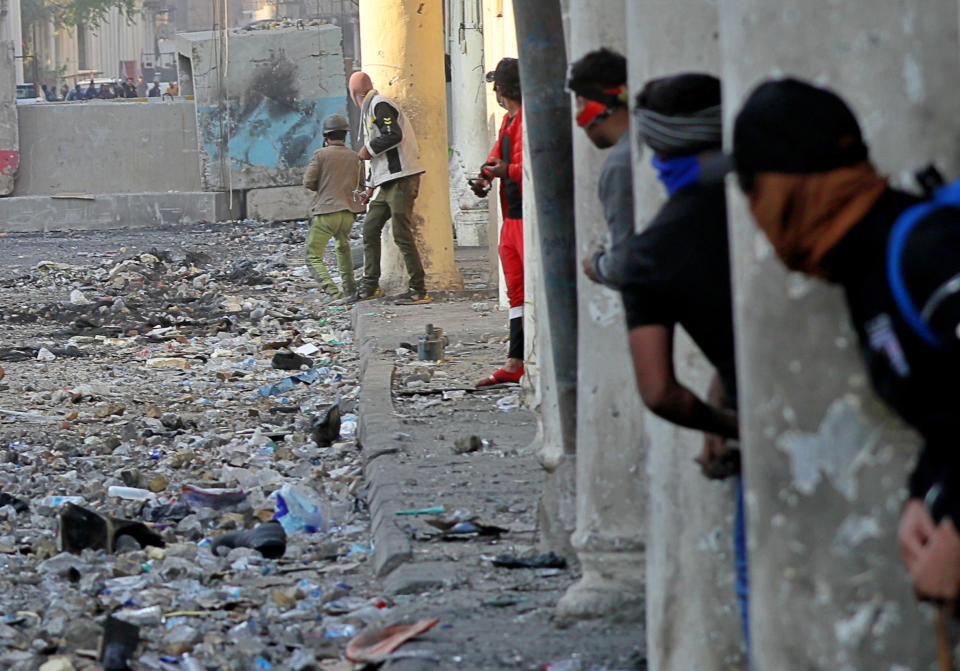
(676, 271)
(803, 164)
(505, 163)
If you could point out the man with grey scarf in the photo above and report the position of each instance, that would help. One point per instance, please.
(676, 271)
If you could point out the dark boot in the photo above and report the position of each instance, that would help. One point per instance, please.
(269, 539)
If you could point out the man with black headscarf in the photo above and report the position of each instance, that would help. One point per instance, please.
(802, 162)
(676, 271)
(505, 163)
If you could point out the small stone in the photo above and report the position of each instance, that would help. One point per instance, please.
(58, 663)
(158, 484)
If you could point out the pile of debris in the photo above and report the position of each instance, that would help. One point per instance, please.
(180, 485)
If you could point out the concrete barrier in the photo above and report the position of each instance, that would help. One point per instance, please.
(260, 114)
(107, 147)
(114, 210)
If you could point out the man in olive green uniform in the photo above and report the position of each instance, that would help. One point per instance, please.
(333, 174)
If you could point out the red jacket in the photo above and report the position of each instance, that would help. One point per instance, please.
(511, 135)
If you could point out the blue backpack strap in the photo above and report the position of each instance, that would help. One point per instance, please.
(947, 196)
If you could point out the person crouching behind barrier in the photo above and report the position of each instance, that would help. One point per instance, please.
(802, 162)
(334, 174)
(505, 163)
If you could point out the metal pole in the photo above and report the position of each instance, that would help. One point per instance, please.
(543, 71)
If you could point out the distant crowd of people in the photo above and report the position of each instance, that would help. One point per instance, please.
(106, 90)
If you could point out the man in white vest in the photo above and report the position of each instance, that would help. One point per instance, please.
(390, 146)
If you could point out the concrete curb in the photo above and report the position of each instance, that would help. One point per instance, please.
(376, 428)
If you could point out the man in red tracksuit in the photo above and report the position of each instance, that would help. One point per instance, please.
(505, 164)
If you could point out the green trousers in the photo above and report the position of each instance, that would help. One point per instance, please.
(335, 225)
(394, 202)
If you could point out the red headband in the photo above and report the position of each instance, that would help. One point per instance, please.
(593, 110)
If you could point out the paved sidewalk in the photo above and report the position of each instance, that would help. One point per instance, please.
(490, 618)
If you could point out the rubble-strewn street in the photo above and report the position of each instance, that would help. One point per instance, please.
(165, 388)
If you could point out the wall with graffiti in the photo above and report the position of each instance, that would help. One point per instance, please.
(261, 97)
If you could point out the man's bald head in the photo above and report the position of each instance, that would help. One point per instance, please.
(360, 84)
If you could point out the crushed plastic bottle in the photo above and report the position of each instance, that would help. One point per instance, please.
(298, 510)
(348, 426)
(57, 501)
(131, 493)
(339, 630)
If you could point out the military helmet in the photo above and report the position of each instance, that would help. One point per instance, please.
(335, 122)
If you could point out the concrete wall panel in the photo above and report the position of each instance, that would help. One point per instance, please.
(825, 462)
(108, 147)
(260, 112)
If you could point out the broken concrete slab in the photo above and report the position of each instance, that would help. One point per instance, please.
(282, 203)
(9, 133)
(259, 116)
(113, 210)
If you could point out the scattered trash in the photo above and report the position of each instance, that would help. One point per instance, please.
(548, 560)
(509, 403)
(19, 505)
(218, 499)
(81, 528)
(45, 355)
(325, 427)
(131, 493)
(269, 539)
(373, 644)
(468, 444)
(435, 510)
(307, 349)
(432, 344)
(284, 359)
(298, 510)
(118, 643)
(504, 601)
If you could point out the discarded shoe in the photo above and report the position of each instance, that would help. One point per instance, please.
(548, 560)
(284, 359)
(81, 528)
(413, 297)
(362, 295)
(502, 376)
(325, 427)
(269, 539)
(19, 505)
(119, 642)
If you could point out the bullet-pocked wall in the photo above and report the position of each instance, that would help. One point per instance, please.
(825, 462)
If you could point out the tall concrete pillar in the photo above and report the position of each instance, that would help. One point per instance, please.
(11, 30)
(468, 113)
(692, 616)
(825, 462)
(611, 487)
(550, 304)
(9, 130)
(402, 51)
